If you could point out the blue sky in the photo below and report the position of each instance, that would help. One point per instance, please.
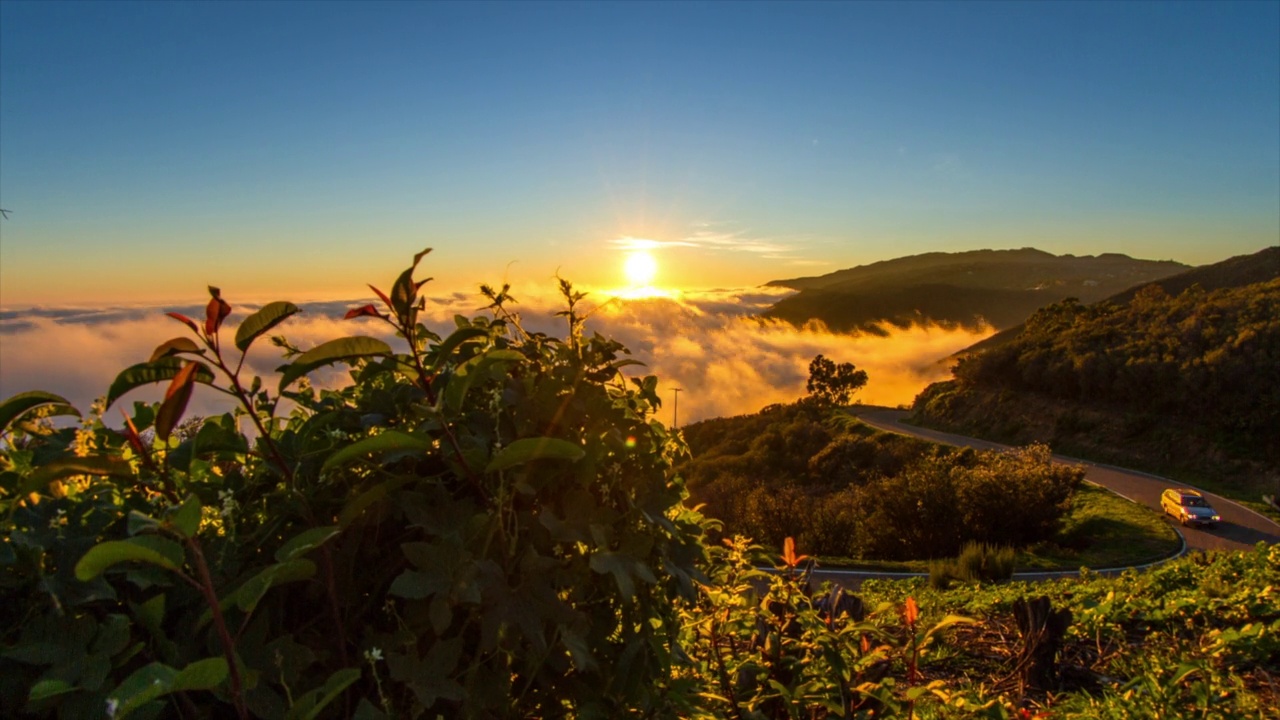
(300, 150)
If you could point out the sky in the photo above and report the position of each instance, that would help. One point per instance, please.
(299, 150)
(675, 155)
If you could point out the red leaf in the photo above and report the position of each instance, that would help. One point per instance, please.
(214, 313)
(381, 295)
(131, 434)
(361, 312)
(185, 320)
(175, 400)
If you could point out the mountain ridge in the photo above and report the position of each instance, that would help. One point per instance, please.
(974, 289)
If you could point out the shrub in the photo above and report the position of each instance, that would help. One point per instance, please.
(977, 562)
(483, 523)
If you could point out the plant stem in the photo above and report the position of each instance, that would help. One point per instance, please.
(220, 622)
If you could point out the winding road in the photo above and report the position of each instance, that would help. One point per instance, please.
(1240, 528)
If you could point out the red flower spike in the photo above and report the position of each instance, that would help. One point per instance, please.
(185, 320)
(214, 313)
(361, 312)
(912, 611)
(789, 557)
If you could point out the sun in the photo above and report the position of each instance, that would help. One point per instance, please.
(640, 268)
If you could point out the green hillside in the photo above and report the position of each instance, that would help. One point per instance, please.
(1186, 383)
(993, 287)
(1232, 272)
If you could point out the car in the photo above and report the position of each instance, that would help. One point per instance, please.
(1188, 506)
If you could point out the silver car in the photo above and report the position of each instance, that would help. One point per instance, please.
(1188, 506)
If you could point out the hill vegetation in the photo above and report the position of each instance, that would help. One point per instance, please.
(843, 489)
(974, 289)
(1186, 381)
(1230, 273)
(488, 523)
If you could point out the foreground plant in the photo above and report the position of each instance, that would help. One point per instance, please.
(483, 522)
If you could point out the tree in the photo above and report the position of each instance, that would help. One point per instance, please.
(833, 384)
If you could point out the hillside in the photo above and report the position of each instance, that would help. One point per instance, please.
(1183, 384)
(980, 287)
(1237, 271)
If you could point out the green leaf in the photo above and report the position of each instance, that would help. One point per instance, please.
(473, 370)
(305, 542)
(201, 675)
(138, 522)
(357, 505)
(186, 517)
(267, 317)
(157, 680)
(72, 466)
(348, 348)
(144, 548)
(151, 613)
(415, 585)
(542, 448)
(311, 704)
(385, 441)
(148, 373)
(247, 596)
(402, 294)
(176, 345)
(214, 437)
(455, 340)
(620, 566)
(17, 405)
(49, 688)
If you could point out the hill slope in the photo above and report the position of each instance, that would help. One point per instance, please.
(995, 287)
(1186, 384)
(1233, 272)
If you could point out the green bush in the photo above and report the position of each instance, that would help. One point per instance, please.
(484, 522)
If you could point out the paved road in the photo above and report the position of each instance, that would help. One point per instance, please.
(1240, 529)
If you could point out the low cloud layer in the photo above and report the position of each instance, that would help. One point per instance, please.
(727, 361)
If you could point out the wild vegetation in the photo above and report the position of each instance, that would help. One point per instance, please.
(488, 523)
(1175, 382)
(811, 472)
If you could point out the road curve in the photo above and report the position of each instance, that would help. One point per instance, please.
(1240, 529)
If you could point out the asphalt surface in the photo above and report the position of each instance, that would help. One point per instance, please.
(1240, 528)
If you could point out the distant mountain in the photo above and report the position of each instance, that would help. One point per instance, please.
(996, 287)
(1233, 272)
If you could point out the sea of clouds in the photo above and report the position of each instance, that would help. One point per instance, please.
(709, 343)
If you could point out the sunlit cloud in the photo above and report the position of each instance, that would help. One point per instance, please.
(710, 343)
(718, 241)
(630, 244)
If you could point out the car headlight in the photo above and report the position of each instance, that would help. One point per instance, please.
(1216, 518)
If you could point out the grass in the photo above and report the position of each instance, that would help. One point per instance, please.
(1102, 530)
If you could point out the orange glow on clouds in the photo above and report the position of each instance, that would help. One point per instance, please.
(709, 343)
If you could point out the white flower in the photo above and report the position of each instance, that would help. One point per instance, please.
(113, 706)
(228, 502)
(373, 655)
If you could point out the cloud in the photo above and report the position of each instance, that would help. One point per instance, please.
(630, 244)
(710, 343)
(715, 241)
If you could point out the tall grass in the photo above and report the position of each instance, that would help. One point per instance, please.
(977, 562)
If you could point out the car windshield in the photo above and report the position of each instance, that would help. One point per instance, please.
(1194, 502)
